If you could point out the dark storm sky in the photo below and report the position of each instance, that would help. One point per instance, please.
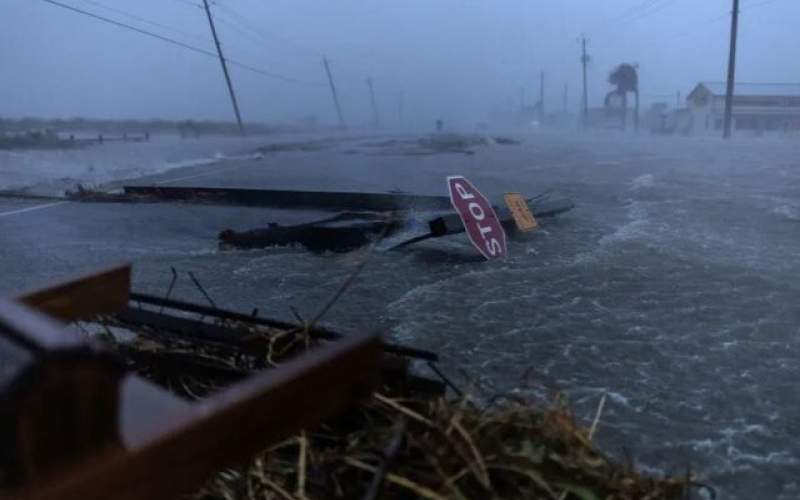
(453, 58)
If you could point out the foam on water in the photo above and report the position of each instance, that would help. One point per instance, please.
(53, 171)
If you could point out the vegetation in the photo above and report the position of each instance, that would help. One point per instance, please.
(626, 79)
(404, 443)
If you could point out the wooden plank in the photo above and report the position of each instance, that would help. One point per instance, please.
(33, 331)
(132, 316)
(319, 200)
(181, 451)
(104, 292)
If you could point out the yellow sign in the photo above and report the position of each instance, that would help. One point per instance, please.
(521, 213)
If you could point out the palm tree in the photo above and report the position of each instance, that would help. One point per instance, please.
(625, 79)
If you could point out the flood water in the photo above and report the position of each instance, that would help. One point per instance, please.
(672, 287)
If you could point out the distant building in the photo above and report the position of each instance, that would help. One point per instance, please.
(757, 107)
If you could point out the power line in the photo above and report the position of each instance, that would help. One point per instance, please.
(190, 3)
(178, 43)
(655, 10)
(133, 28)
(759, 4)
(634, 10)
(248, 26)
(147, 21)
(245, 24)
(722, 17)
(223, 21)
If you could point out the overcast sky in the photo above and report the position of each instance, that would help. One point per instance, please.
(457, 59)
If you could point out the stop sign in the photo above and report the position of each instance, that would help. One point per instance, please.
(481, 222)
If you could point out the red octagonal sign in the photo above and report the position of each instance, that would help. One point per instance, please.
(481, 222)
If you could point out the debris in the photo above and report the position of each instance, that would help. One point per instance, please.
(313, 200)
(349, 230)
(77, 425)
(342, 233)
(301, 418)
(506, 140)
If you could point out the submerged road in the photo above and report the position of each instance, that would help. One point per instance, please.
(672, 288)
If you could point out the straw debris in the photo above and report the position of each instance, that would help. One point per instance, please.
(401, 444)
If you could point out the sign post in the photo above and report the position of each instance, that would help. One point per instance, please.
(480, 220)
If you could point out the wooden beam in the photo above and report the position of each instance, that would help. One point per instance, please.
(319, 200)
(179, 451)
(104, 292)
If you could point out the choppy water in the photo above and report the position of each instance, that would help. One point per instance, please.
(673, 288)
(53, 171)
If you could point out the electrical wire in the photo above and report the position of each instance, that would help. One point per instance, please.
(190, 3)
(655, 10)
(634, 10)
(247, 25)
(147, 21)
(199, 50)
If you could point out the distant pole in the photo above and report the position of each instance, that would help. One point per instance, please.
(224, 68)
(334, 94)
(376, 120)
(636, 109)
(585, 103)
(678, 101)
(521, 98)
(566, 98)
(731, 71)
(541, 94)
(400, 105)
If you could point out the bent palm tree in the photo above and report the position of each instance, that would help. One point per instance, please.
(625, 79)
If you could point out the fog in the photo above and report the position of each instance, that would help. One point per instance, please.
(455, 59)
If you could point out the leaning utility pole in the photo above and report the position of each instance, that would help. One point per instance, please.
(585, 103)
(376, 120)
(224, 68)
(334, 94)
(731, 71)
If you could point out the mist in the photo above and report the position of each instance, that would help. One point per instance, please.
(457, 60)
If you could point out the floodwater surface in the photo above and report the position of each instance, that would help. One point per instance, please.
(672, 287)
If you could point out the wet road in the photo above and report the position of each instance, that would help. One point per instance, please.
(672, 287)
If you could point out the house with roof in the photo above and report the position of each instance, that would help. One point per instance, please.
(757, 107)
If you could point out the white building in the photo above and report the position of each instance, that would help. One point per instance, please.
(757, 107)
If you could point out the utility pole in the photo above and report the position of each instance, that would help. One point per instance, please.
(224, 68)
(566, 98)
(678, 100)
(731, 71)
(636, 109)
(334, 94)
(521, 99)
(400, 105)
(541, 96)
(376, 120)
(585, 103)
